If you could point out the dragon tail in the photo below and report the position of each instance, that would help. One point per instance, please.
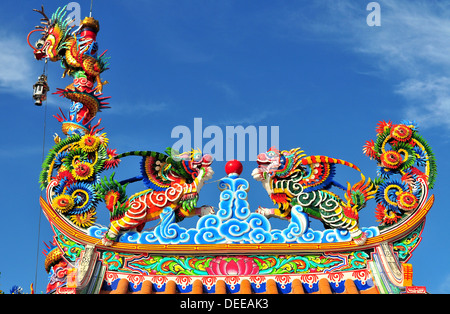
(358, 195)
(140, 153)
(113, 193)
(324, 159)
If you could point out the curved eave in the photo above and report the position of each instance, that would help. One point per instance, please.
(392, 235)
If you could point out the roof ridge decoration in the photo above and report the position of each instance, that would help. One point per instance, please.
(298, 184)
(233, 223)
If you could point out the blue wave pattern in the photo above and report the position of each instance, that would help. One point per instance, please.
(233, 223)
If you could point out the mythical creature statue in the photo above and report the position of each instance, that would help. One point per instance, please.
(77, 50)
(71, 172)
(172, 180)
(292, 178)
(72, 167)
(401, 152)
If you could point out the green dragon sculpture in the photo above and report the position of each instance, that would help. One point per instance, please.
(290, 178)
(293, 178)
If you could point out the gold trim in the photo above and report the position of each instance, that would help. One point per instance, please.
(72, 232)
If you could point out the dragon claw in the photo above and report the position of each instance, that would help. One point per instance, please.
(204, 210)
(107, 242)
(266, 212)
(361, 239)
(258, 174)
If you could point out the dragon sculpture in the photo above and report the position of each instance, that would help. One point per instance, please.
(290, 178)
(293, 178)
(71, 171)
(77, 50)
(406, 170)
(172, 180)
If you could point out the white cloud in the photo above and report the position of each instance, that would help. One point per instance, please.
(19, 70)
(413, 36)
(15, 65)
(430, 99)
(411, 46)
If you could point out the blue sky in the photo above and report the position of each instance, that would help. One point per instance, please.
(315, 69)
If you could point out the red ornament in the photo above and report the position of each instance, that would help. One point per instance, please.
(233, 167)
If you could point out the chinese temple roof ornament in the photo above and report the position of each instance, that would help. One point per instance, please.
(232, 248)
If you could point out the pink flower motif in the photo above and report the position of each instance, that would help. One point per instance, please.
(232, 266)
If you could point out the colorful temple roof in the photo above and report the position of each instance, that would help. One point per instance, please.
(232, 249)
(376, 267)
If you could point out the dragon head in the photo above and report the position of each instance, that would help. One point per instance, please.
(189, 164)
(280, 172)
(54, 31)
(278, 163)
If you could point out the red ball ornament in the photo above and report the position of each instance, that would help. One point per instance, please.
(233, 167)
